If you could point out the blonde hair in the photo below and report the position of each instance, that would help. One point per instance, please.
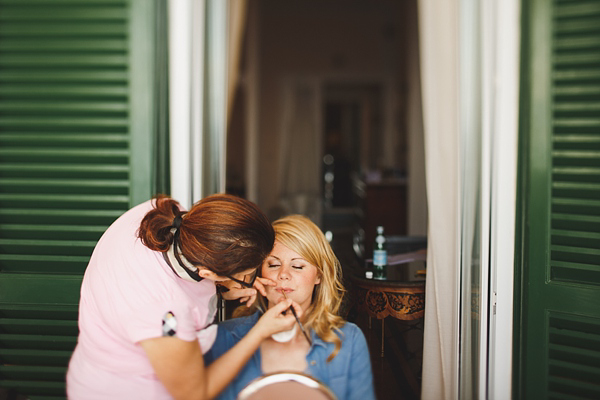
(301, 235)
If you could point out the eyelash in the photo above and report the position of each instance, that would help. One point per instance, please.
(293, 266)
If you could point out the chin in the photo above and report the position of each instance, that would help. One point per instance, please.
(274, 299)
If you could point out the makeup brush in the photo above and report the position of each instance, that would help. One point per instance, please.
(298, 321)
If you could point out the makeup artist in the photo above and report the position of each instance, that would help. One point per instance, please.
(148, 298)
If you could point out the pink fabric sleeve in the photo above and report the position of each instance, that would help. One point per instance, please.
(146, 323)
(207, 337)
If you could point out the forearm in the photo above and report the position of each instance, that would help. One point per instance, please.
(225, 368)
(178, 364)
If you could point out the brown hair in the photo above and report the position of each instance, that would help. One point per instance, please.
(222, 232)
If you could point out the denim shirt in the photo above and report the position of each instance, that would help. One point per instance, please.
(348, 375)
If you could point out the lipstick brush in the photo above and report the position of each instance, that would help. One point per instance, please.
(298, 321)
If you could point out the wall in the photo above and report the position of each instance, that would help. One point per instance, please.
(328, 39)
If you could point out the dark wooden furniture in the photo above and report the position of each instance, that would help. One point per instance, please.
(382, 202)
(401, 296)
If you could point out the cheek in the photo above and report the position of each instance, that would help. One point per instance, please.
(267, 273)
(272, 296)
(313, 279)
(308, 283)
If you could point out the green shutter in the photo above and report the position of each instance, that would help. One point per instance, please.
(76, 115)
(559, 346)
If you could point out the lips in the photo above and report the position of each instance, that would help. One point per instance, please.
(281, 289)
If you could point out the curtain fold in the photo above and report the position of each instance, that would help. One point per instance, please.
(438, 28)
(299, 177)
(213, 84)
(197, 97)
(237, 17)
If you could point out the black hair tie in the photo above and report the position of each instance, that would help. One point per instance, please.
(177, 221)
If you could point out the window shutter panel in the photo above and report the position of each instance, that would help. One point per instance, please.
(575, 210)
(560, 348)
(75, 146)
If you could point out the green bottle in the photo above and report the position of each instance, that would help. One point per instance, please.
(379, 255)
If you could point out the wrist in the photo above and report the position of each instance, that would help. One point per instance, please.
(257, 335)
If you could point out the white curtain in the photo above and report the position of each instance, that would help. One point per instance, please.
(438, 27)
(236, 25)
(299, 179)
(197, 97)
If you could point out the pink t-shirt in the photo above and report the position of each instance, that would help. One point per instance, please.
(126, 292)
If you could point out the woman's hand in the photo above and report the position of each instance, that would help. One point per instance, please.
(259, 284)
(245, 295)
(227, 366)
(276, 319)
(234, 291)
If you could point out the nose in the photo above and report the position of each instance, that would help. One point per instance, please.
(284, 273)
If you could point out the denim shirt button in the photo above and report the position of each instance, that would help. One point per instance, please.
(313, 362)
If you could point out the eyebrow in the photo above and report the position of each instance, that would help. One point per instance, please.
(293, 259)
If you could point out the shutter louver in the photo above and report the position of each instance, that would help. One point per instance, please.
(575, 220)
(574, 351)
(65, 172)
(558, 341)
(64, 130)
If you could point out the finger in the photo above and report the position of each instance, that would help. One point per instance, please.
(235, 294)
(296, 306)
(266, 281)
(251, 300)
(246, 292)
(297, 309)
(282, 306)
(280, 299)
(260, 287)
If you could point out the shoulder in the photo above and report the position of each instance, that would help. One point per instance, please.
(229, 333)
(233, 330)
(353, 340)
(140, 210)
(351, 331)
(239, 326)
(125, 227)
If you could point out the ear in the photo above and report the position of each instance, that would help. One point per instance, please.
(208, 274)
(318, 280)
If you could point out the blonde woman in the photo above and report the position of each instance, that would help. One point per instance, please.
(303, 267)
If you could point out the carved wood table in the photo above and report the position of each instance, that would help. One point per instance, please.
(400, 295)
